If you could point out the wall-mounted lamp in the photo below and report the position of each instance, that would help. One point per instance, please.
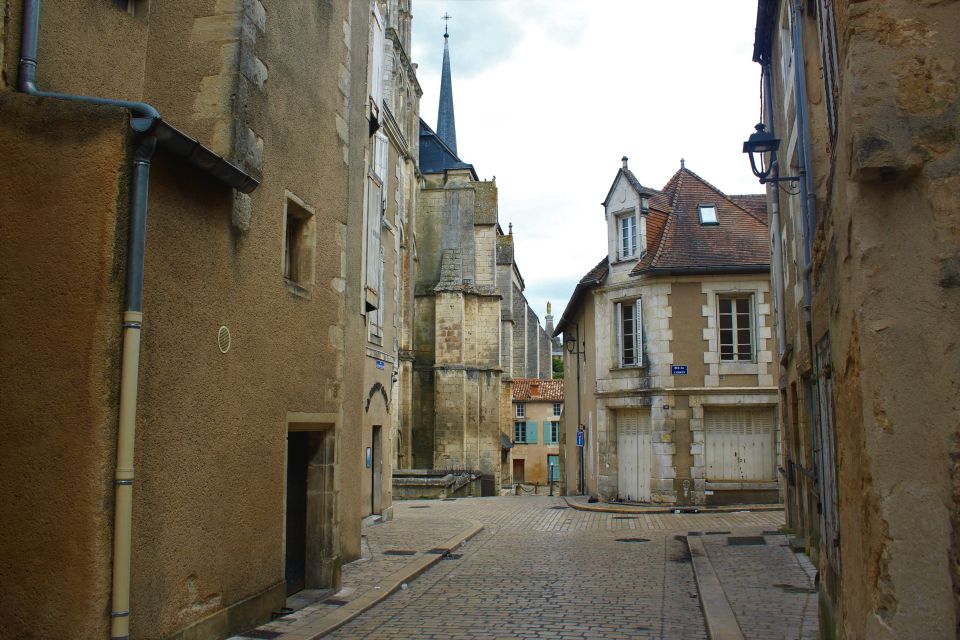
(760, 142)
(571, 344)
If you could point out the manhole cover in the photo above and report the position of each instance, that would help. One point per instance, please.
(399, 552)
(420, 506)
(453, 556)
(789, 588)
(745, 541)
(624, 518)
(632, 540)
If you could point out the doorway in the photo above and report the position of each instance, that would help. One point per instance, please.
(633, 454)
(295, 563)
(376, 470)
(518, 471)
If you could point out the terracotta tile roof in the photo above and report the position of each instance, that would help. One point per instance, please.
(594, 277)
(738, 243)
(754, 203)
(534, 389)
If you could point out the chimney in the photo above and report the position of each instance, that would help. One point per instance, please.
(624, 158)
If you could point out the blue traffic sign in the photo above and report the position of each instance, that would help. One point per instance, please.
(380, 364)
(579, 438)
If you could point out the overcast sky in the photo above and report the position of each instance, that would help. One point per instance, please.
(550, 94)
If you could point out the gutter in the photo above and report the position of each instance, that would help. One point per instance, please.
(724, 268)
(145, 121)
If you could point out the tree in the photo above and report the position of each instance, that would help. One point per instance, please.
(557, 367)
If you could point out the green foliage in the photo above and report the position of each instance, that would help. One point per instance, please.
(557, 368)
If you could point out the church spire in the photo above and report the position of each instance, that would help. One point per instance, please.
(446, 126)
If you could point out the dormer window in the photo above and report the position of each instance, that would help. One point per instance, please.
(627, 235)
(708, 214)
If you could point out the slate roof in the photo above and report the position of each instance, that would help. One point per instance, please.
(436, 156)
(546, 390)
(683, 245)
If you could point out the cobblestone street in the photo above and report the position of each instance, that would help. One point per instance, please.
(540, 569)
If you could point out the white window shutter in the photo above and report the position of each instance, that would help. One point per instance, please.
(376, 57)
(638, 322)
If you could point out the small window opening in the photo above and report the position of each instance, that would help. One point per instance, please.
(298, 245)
(139, 9)
(708, 214)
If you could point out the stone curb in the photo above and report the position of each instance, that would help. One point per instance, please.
(382, 589)
(721, 622)
(609, 508)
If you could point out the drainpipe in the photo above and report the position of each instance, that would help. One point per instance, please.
(775, 223)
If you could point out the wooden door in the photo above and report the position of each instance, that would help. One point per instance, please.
(633, 454)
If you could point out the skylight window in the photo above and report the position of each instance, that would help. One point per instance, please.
(708, 214)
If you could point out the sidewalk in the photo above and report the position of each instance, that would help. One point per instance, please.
(394, 553)
(582, 503)
(753, 586)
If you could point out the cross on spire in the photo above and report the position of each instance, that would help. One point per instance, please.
(446, 23)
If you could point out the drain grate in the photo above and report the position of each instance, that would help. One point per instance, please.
(419, 506)
(399, 552)
(453, 556)
(789, 588)
(745, 541)
(261, 634)
(632, 540)
(717, 533)
(335, 602)
(437, 551)
(624, 518)
(559, 508)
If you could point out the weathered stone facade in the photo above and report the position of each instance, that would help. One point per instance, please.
(249, 390)
(865, 99)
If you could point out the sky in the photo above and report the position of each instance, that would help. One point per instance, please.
(550, 94)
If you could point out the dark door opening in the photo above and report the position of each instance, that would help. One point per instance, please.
(296, 525)
(518, 471)
(376, 465)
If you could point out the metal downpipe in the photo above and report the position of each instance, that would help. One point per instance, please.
(129, 378)
(775, 221)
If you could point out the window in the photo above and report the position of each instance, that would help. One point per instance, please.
(551, 432)
(375, 81)
(736, 328)
(521, 410)
(520, 432)
(708, 214)
(298, 244)
(374, 224)
(557, 408)
(829, 62)
(629, 333)
(627, 235)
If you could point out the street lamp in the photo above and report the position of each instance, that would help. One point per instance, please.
(572, 343)
(760, 142)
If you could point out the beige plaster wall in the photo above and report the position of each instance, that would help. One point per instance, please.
(535, 455)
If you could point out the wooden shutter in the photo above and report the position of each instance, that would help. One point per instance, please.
(531, 432)
(638, 328)
(619, 327)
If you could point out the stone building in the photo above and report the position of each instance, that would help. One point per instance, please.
(473, 329)
(388, 259)
(537, 408)
(863, 97)
(669, 350)
(246, 142)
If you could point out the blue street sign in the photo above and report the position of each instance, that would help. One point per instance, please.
(379, 364)
(678, 370)
(579, 438)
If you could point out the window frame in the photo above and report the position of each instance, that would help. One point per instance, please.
(735, 358)
(557, 409)
(520, 410)
(620, 218)
(298, 250)
(519, 432)
(638, 359)
(554, 432)
(716, 214)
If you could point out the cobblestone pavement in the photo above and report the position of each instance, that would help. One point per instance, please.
(543, 570)
(769, 588)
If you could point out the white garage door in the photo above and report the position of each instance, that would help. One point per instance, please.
(739, 443)
(633, 454)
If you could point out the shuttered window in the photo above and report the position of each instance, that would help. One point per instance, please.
(551, 432)
(531, 432)
(829, 61)
(520, 432)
